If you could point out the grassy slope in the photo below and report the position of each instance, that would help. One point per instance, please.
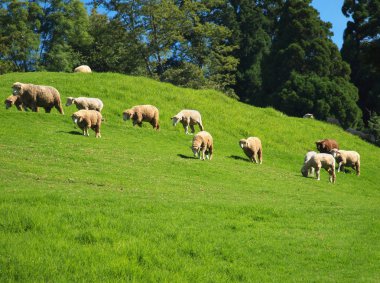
(134, 205)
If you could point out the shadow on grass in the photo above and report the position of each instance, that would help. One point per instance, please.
(71, 132)
(185, 156)
(239, 158)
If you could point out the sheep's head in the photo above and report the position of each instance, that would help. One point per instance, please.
(76, 118)
(70, 101)
(243, 143)
(9, 101)
(320, 145)
(304, 171)
(335, 152)
(17, 88)
(175, 119)
(195, 149)
(127, 114)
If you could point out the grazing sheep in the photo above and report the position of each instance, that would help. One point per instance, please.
(13, 100)
(347, 157)
(309, 155)
(318, 161)
(86, 119)
(86, 103)
(326, 145)
(142, 113)
(34, 96)
(252, 147)
(308, 116)
(188, 118)
(82, 69)
(203, 143)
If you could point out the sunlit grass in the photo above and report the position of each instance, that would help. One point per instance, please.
(135, 205)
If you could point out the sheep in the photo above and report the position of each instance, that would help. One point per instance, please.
(318, 161)
(308, 116)
(188, 118)
(34, 96)
(252, 147)
(82, 69)
(347, 157)
(13, 100)
(326, 145)
(86, 103)
(203, 143)
(142, 113)
(309, 155)
(86, 119)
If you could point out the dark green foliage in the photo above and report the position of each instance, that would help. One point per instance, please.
(304, 71)
(374, 127)
(361, 48)
(18, 40)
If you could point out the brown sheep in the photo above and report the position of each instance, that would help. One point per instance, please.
(34, 96)
(326, 145)
(203, 143)
(318, 161)
(86, 119)
(13, 100)
(188, 118)
(82, 69)
(142, 113)
(347, 157)
(252, 147)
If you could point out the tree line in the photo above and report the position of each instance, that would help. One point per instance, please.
(275, 53)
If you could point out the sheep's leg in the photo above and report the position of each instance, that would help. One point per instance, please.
(357, 169)
(203, 153)
(59, 108)
(260, 155)
(192, 129)
(185, 128)
(340, 165)
(47, 109)
(210, 150)
(318, 172)
(200, 125)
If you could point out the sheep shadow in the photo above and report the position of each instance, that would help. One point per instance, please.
(239, 158)
(71, 132)
(185, 156)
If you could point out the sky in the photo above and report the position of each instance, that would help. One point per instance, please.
(331, 11)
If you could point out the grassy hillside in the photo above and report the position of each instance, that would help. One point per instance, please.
(136, 206)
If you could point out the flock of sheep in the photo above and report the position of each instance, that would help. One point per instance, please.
(29, 96)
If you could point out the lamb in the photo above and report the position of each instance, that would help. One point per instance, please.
(13, 100)
(347, 157)
(188, 118)
(86, 119)
(318, 161)
(142, 113)
(86, 103)
(82, 69)
(326, 145)
(203, 143)
(252, 147)
(34, 96)
(308, 156)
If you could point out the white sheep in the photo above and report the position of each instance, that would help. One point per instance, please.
(347, 157)
(308, 116)
(86, 119)
(309, 155)
(86, 103)
(252, 147)
(188, 118)
(203, 143)
(82, 69)
(318, 161)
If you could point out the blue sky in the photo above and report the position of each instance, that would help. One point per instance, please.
(331, 11)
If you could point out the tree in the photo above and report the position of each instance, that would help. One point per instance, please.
(64, 34)
(304, 71)
(19, 37)
(361, 49)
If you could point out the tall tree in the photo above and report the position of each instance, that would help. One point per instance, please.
(64, 33)
(305, 72)
(361, 48)
(19, 37)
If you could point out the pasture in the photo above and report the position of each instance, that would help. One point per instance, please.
(136, 206)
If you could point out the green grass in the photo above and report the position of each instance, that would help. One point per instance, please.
(136, 206)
